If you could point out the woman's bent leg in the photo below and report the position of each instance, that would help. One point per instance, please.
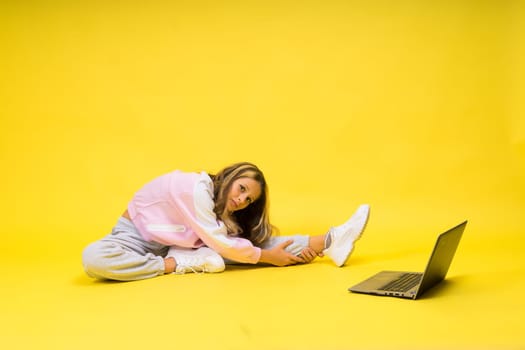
(109, 260)
(124, 255)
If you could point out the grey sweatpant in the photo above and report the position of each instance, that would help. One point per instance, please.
(124, 255)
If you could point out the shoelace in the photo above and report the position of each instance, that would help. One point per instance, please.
(192, 264)
(185, 269)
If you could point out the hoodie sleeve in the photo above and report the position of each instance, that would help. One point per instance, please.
(212, 231)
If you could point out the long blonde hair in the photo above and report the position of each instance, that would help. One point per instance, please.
(251, 222)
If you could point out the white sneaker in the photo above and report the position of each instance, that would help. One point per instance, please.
(342, 238)
(196, 260)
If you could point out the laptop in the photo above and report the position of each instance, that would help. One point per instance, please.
(412, 285)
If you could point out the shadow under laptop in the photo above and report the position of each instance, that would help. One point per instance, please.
(446, 288)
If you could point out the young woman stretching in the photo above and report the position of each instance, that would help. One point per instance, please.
(195, 222)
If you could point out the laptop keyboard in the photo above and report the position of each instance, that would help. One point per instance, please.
(404, 283)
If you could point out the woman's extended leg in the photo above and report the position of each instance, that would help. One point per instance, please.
(337, 243)
(308, 247)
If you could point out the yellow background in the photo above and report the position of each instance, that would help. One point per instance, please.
(414, 107)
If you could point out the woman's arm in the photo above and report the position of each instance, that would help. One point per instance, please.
(197, 208)
(214, 233)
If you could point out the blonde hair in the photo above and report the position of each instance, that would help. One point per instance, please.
(251, 222)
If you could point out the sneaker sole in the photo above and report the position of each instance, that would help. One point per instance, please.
(357, 238)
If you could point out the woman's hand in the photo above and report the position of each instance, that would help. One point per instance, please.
(278, 256)
(308, 254)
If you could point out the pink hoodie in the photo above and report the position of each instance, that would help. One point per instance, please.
(176, 209)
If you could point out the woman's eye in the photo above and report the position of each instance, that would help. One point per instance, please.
(249, 200)
(242, 188)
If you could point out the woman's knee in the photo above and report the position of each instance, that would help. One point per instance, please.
(97, 258)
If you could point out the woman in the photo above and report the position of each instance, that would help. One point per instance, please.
(192, 222)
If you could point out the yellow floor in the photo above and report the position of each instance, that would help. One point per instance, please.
(48, 303)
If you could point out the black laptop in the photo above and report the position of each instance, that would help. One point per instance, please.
(412, 284)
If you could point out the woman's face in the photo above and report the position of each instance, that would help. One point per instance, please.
(244, 191)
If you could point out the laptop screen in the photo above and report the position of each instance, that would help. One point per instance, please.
(441, 257)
